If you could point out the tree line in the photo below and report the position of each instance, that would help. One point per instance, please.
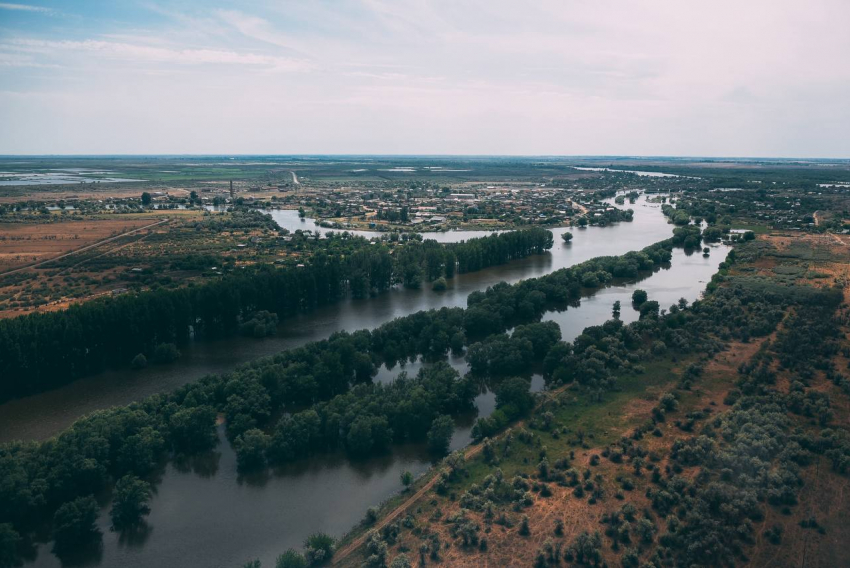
(323, 388)
(718, 485)
(44, 350)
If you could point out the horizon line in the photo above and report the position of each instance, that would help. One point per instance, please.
(401, 155)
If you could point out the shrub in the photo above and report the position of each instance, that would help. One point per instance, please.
(165, 353)
(139, 361)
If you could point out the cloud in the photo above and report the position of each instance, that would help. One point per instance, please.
(24, 8)
(255, 27)
(21, 60)
(155, 54)
(632, 77)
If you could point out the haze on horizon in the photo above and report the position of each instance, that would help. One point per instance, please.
(659, 78)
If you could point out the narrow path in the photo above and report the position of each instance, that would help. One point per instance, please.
(295, 179)
(837, 239)
(83, 249)
(110, 251)
(470, 452)
(361, 540)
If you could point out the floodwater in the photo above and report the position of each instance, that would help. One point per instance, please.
(40, 416)
(288, 219)
(636, 172)
(205, 514)
(60, 177)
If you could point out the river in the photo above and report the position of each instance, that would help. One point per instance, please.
(45, 414)
(205, 514)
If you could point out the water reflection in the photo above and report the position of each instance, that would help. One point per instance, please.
(205, 513)
(42, 415)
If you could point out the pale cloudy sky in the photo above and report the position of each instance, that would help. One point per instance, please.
(555, 77)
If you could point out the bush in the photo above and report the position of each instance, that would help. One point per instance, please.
(291, 559)
(260, 324)
(320, 547)
(165, 353)
(139, 361)
(439, 284)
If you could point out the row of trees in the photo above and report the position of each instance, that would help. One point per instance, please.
(365, 420)
(44, 350)
(39, 478)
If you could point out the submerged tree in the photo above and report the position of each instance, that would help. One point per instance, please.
(9, 542)
(440, 434)
(130, 502)
(74, 525)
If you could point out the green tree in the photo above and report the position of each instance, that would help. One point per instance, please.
(193, 429)
(649, 309)
(146, 198)
(440, 434)
(406, 478)
(359, 440)
(10, 540)
(251, 449)
(319, 548)
(291, 559)
(567, 236)
(130, 502)
(141, 451)
(514, 392)
(639, 297)
(74, 525)
(369, 434)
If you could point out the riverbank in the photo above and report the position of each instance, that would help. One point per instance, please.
(274, 510)
(40, 416)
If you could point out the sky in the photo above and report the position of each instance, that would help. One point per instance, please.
(550, 77)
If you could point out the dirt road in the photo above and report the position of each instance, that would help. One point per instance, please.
(471, 451)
